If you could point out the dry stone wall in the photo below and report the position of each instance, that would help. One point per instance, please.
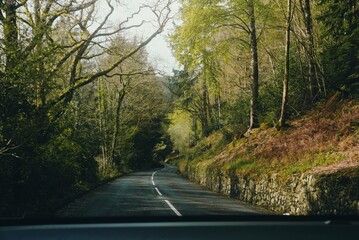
(307, 193)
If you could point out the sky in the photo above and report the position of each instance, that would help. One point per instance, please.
(159, 51)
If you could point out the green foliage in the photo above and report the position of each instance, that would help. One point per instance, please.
(180, 130)
(59, 161)
(312, 162)
(145, 140)
(61, 130)
(192, 93)
(180, 83)
(341, 60)
(213, 46)
(270, 100)
(341, 46)
(271, 91)
(235, 117)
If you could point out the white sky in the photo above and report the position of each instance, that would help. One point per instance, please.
(160, 54)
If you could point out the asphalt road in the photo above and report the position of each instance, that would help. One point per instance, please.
(159, 192)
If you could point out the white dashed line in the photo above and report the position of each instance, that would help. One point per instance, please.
(152, 178)
(158, 191)
(173, 208)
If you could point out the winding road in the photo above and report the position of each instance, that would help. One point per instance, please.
(159, 192)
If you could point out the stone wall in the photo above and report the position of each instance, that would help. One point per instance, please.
(308, 193)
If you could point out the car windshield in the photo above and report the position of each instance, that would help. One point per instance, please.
(119, 108)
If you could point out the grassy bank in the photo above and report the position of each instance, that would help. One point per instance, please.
(325, 139)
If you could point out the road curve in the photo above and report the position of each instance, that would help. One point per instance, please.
(159, 192)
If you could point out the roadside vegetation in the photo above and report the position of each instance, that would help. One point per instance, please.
(325, 139)
(79, 102)
(267, 86)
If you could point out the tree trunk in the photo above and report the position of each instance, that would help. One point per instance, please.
(10, 38)
(253, 121)
(103, 130)
(205, 109)
(282, 120)
(218, 111)
(195, 130)
(11, 84)
(40, 78)
(121, 96)
(313, 83)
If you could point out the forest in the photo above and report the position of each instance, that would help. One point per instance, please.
(81, 103)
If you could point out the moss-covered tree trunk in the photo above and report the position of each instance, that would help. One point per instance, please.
(253, 121)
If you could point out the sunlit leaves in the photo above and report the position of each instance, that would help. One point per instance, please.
(180, 130)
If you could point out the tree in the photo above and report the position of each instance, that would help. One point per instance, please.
(255, 72)
(312, 69)
(216, 27)
(49, 53)
(115, 88)
(282, 119)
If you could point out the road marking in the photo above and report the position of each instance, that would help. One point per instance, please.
(173, 208)
(158, 191)
(152, 178)
(153, 174)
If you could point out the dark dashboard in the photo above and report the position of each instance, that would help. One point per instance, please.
(277, 228)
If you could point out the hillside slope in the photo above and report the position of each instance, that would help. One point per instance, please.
(293, 170)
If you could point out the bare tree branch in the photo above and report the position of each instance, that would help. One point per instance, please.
(163, 16)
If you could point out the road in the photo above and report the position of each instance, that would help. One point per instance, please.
(159, 192)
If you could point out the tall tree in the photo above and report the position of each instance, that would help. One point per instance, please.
(289, 16)
(214, 26)
(255, 72)
(312, 69)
